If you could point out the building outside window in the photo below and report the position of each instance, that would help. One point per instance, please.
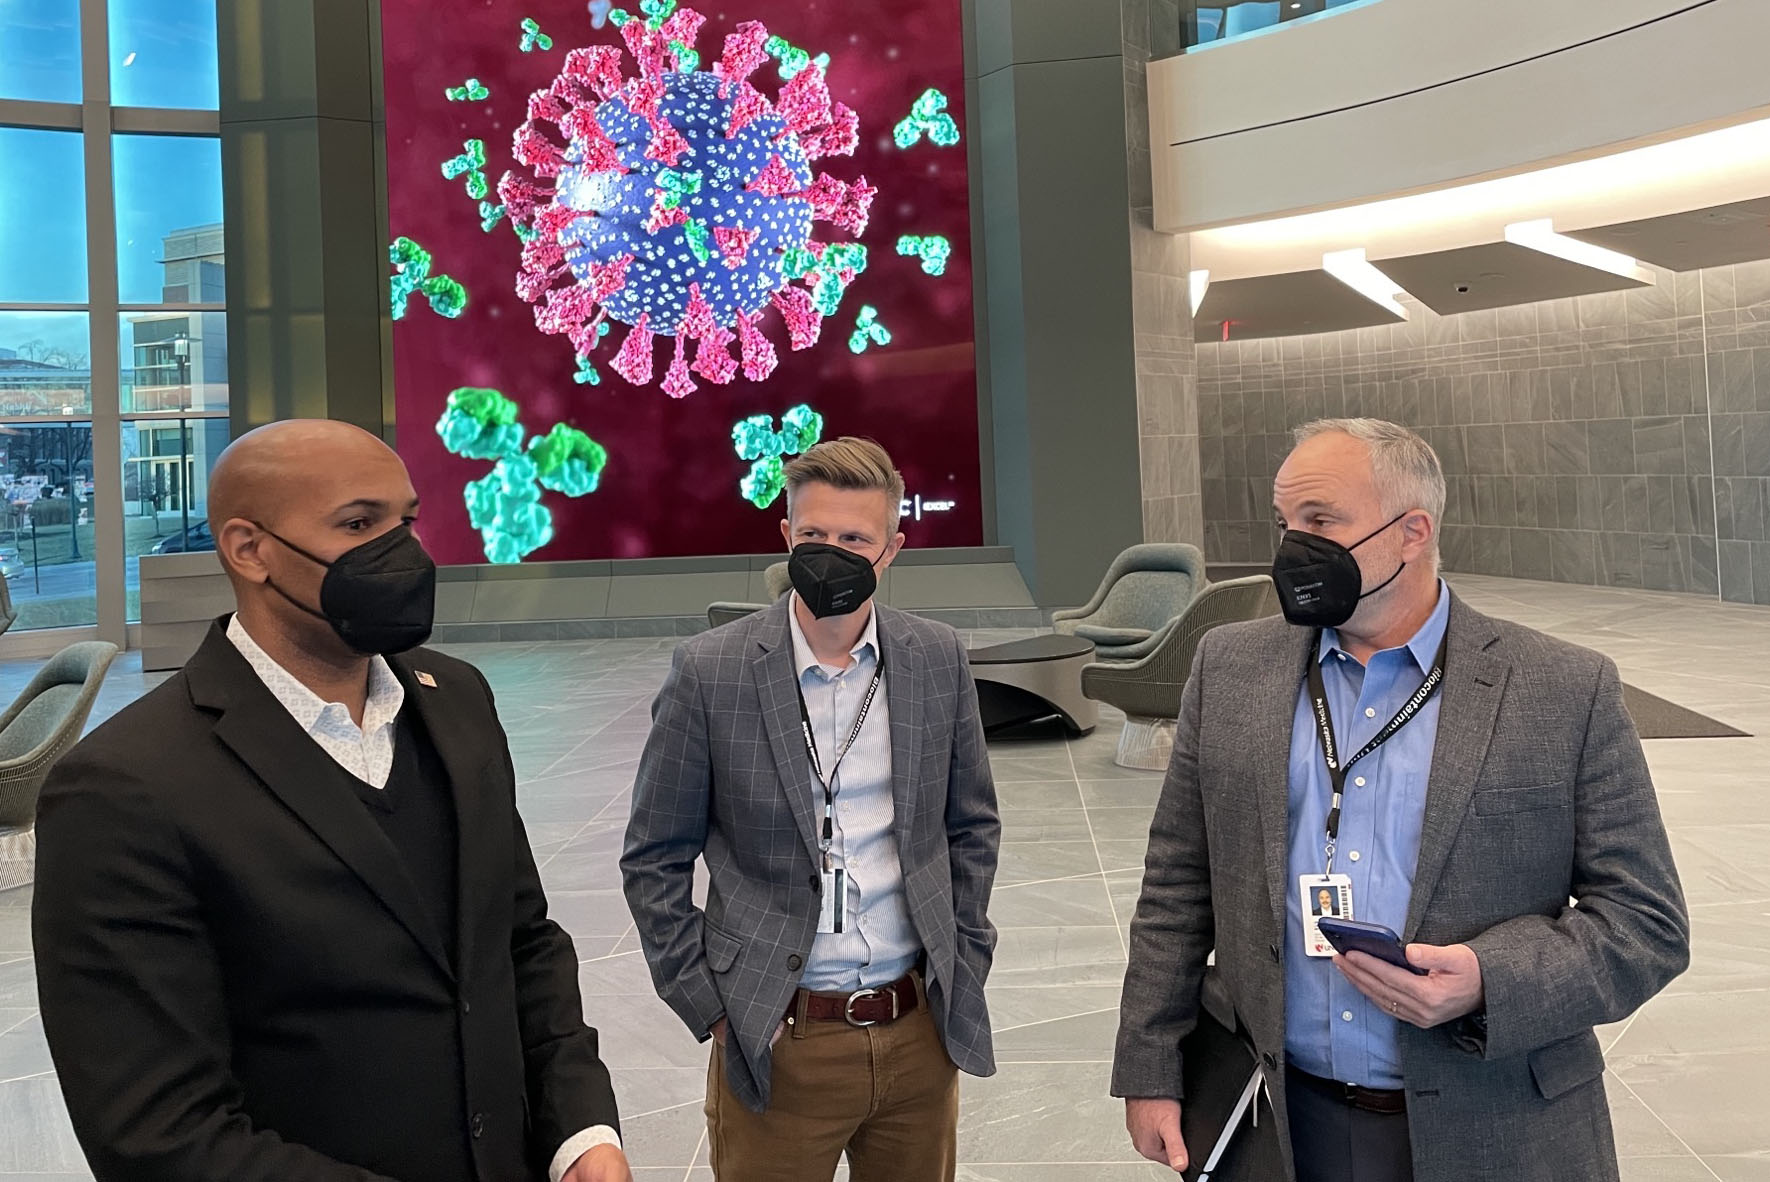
(113, 325)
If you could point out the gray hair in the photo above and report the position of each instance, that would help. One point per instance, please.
(1406, 470)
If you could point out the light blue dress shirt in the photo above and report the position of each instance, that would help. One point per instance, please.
(1331, 1029)
(878, 943)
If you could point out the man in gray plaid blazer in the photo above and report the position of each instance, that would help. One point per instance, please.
(825, 757)
(1468, 830)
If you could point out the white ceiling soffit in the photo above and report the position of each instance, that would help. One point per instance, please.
(1710, 168)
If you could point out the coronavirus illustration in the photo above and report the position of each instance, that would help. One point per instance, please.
(681, 201)
(505, 505)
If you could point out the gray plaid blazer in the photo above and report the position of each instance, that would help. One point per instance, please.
(725, 777)
(1538, 793)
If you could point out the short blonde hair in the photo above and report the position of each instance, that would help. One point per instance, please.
(857, 465)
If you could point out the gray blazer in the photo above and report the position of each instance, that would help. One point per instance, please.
(725, 776)
(1538, 792)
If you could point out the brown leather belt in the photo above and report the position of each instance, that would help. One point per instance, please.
(1382, 1101)
(864, 1007)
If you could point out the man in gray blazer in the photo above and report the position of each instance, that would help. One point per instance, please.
(1470, 784)
(825, 757)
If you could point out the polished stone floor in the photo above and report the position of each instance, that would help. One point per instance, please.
(1686, 1074)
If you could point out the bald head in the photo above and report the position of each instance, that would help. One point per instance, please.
(283, 467)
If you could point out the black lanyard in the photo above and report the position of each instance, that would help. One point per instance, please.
(860, 718)
(1324, 730)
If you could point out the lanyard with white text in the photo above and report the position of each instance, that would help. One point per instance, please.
(1324, 729)
(860, 718)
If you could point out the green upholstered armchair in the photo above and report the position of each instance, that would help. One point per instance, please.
(38, 729)
(1148, 690)
(1145, 589)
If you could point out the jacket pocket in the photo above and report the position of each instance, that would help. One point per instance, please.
(1528, 798)
(1563, 1066)
(722, 948)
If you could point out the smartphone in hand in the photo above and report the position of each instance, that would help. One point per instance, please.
(1372, 939)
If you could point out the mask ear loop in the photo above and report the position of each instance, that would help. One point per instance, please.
(271, 583)
(1367, 537)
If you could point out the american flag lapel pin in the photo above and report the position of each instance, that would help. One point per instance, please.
(424, 679)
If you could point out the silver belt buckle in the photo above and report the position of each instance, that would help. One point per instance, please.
(863, 995)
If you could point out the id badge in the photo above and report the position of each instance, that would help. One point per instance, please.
(833, 903)
(1322, 894)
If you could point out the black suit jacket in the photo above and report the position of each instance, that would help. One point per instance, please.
(239, 982)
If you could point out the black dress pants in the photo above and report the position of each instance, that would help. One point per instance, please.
(1334, 1142)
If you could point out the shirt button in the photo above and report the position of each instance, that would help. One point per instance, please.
(477, 1126)
(466, 1006)
(1353, 855)
(1345, 1015)
(794, 963)
(1359, 781)
(1342, 656)
(1370, 711)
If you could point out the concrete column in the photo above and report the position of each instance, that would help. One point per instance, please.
(306, 238)
(1050, 121)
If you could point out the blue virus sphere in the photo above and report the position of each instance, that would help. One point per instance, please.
(618, 206)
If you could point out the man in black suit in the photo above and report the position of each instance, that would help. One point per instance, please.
(287, 923)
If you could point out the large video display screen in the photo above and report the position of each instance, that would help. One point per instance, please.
(643, 256)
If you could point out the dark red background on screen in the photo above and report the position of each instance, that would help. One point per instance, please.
(671, 485)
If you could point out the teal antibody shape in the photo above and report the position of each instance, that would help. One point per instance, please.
(489, 216)
(792, 59)
(471, 90)
(868, 329)
(533, 38)
(472, 163)
(831, 275)
(480, 424)
(757, 440)
(933, 250)
(505, 504)
(927, 117)
(411, 276)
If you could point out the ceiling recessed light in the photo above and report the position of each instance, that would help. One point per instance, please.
(1540, 235)
(1199, 282)
(1355, 271)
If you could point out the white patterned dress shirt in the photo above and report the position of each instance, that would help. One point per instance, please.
(878, 943)
(366, 752)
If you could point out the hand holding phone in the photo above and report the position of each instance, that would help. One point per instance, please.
(1372, 939)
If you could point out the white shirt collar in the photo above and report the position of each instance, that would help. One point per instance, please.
(804, 658)
(314, 713)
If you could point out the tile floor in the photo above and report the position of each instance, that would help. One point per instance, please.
(1686, 1078)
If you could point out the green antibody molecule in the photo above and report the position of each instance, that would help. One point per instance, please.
(505, 504)
(830, 276)
(489, 216)
(411, 276)
(471, 90)
(757, 440)
(533, 38)
(471, 163)
(933, 250)
(868, 330)
(927, 117)
(792, 59)
(480, 424)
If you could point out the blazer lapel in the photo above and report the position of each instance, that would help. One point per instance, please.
(272, 744)
(777, 690)
(1474, 679)
(1272, 709)
(904, 695)
(466, 761)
